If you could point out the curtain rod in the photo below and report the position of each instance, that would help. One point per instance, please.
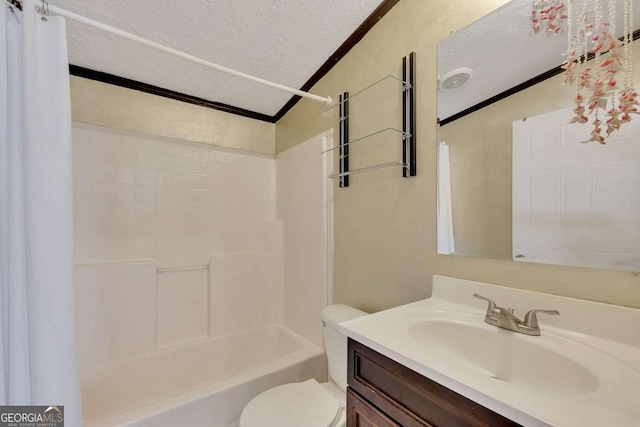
(50, 9)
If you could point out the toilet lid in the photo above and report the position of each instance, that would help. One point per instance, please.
(305, 404)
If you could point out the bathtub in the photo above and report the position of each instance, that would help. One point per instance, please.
(207, 383)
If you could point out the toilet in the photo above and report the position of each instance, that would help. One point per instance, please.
(309, 403)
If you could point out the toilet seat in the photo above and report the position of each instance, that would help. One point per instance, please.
(305, 404)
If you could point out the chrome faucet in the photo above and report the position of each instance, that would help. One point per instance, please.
(505, 319)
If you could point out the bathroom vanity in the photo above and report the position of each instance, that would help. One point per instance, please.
(437, 362)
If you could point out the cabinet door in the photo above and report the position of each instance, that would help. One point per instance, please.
(362, 414)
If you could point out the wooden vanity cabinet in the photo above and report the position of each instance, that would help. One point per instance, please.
(384, 393)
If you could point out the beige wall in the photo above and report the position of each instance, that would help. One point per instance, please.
(112, 106)
(385, 226)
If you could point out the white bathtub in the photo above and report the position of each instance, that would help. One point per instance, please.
(204, 384)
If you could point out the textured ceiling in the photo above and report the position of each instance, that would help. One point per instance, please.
(285, 41)
(503, 52)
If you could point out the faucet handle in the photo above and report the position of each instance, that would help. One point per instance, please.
(531, 318)
(492, 305)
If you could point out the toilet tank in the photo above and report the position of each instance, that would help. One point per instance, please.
(336, 342)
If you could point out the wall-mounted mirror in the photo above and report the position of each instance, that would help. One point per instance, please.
(515, 181)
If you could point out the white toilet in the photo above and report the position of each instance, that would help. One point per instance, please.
(309, 403)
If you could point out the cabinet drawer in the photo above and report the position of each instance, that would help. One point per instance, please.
(410, 398)
(361, 414)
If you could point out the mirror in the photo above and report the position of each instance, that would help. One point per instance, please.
(515, 181)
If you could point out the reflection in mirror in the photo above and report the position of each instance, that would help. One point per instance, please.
(514, 180)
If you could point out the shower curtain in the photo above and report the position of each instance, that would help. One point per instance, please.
(38, 361)
(446, 242)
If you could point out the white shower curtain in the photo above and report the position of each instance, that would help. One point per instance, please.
(446, 242)
(38, 357)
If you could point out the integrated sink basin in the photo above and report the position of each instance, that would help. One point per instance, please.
(503, 355)
(582, 370)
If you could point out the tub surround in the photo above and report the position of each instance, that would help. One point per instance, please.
(179, 252)
(303, 207)
(584, 369)
(175, 242)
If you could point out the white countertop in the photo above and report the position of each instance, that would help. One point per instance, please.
(603, 340)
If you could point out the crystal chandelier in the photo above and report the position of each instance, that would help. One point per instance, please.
(598, 63)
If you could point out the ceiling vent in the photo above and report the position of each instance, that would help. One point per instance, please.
(456, 78)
